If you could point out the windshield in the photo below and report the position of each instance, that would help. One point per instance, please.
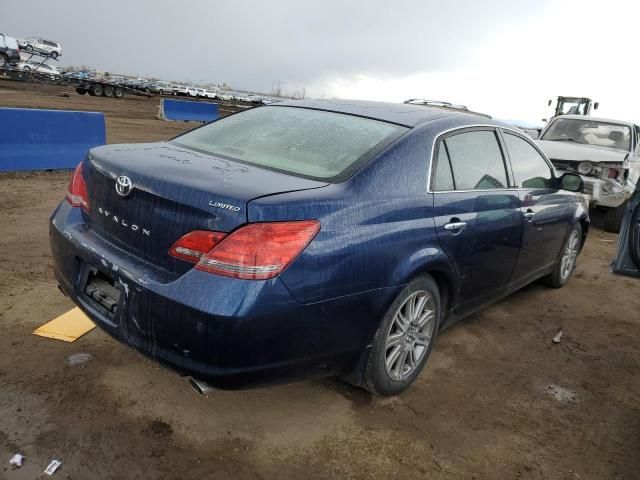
(590, 132)
(304, 142)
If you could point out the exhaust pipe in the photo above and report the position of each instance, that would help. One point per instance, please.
(202, 388)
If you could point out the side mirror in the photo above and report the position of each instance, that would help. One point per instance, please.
(571, 182)
(596, 105)
(549, 103)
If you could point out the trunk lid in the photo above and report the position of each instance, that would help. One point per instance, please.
(173, 191)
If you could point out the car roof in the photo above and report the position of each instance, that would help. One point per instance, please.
(595, 119)
(398, 113)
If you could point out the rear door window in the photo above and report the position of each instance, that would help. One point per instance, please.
(529, 167)
(476, 161)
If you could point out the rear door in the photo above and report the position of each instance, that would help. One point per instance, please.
(477, 213)
(547, 211)
(627, 260)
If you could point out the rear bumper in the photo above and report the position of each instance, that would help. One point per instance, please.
(230, 333)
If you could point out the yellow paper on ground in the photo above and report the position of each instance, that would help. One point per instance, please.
(67, 327)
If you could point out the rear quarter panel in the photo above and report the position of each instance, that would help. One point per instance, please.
(377, 228)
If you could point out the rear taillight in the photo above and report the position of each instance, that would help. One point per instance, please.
(194, 245)
(257, 251)
(77, 191)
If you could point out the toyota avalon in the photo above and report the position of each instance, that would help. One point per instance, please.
(312, 238)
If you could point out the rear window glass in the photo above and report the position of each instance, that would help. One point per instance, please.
(476, 160)
(303, 142)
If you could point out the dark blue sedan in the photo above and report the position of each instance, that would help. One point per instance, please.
(312, 238)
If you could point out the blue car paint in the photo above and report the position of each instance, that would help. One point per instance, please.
(379, 229)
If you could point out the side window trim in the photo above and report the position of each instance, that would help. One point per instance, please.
(446, 151)
(507, 158)
(440, 140)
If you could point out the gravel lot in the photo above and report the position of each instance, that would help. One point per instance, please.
(498, 399)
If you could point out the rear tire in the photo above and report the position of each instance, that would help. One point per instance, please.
(28, 48)
(96, 91)
(614, 217)
(3, 60)
(81, 91)
(118, 92)
(108, 91)
(404, 340)
(568, 259)
(54, 55)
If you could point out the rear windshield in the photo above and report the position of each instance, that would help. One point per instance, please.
(303, 142)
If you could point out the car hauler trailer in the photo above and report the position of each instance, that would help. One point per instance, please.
(83, 82)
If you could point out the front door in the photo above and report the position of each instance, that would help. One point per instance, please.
(477, 215)
(547, 212)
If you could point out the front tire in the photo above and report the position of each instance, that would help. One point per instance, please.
(568, 259)
(614, 217)
(54, 55)
(404, 340)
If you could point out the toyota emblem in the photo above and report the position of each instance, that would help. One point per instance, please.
(123, 186)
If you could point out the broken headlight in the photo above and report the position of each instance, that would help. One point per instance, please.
(584, 168)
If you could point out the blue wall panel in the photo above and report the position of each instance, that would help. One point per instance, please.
(188, 111)
(33, 139)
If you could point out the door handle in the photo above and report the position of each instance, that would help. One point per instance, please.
(453, 226)
(529, 214)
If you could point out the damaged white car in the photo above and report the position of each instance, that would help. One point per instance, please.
(606, 153)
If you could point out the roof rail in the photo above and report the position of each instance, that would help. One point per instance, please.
(434, 103)
(442, 104)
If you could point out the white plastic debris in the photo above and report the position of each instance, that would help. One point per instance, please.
(53, 466)
(558, 337)
(77, 359)
(17, 460)
(562, 394)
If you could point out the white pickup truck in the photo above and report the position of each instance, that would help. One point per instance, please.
(606, 153)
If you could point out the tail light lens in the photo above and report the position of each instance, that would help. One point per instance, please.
(194, 245)
(77, 192)
(257, 251)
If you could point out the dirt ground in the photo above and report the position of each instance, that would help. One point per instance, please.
(498, 399)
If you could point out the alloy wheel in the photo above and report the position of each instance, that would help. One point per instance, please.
(570, 255)
(410, 335)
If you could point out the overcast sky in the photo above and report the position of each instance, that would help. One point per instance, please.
(502, 57)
